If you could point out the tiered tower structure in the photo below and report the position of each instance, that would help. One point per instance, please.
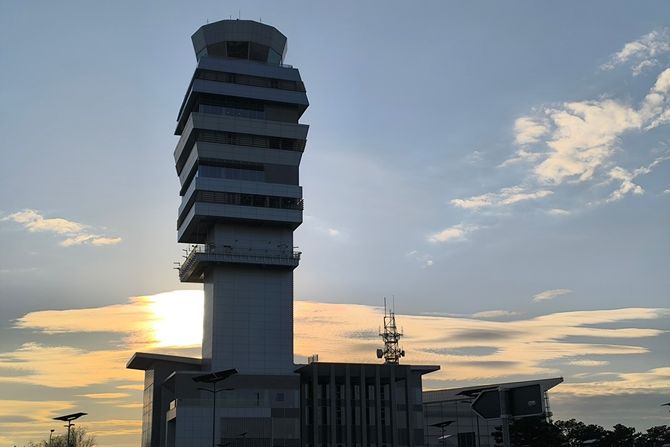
(237, 159)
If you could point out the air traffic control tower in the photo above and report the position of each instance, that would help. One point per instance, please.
(237, 159)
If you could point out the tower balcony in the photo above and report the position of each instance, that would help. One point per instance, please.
(200, 257)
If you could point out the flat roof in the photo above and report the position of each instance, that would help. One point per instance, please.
(423, 369)
(145, 360)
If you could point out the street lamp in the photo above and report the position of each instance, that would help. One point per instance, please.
(443, 425)
(213, 379)
(68, 418)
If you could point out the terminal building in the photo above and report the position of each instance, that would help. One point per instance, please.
(237, 159)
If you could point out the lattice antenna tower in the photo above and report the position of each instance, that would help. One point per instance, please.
(391, 353)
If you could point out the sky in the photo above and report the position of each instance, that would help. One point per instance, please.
(501, 169)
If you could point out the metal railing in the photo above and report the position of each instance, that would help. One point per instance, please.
(226, 253)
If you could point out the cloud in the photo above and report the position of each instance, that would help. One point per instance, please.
(627, 186)
(37, 411)
(505, 197)
(29, 419)
(584, 134)
(475, 157)
(528, 130)
(646, 382)
(574, 142)
(643, 52)
(494, 314)
(105, 395)
(34, 222)
(558, 212)
(589, 363)
(550, 294)
(452, 234)
(146, 321)
(75, 232)
(425, 259)
(64, 366)
(467, 346)
(532, 343)
(582, 138)
(332, 232)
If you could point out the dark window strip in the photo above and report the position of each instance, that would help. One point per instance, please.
(240, 199)
(255, 81)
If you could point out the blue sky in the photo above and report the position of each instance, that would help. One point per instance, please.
(492, 165)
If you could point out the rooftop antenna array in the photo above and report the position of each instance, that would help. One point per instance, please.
(391, 353)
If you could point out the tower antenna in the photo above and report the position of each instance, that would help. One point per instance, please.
(391, 353)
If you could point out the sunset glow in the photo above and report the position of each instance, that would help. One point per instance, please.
(176, 318)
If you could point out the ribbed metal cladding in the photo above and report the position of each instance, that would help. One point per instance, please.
(377, 400)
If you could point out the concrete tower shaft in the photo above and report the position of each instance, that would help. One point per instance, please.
(238, 161)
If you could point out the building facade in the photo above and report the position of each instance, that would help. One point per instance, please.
(450, 420)
(358, 404)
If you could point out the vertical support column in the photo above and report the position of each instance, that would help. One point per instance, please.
(505, 416)
(392, 401)
(410, 408)
(315, 404)
(378, 412)
(348, 406)
(364, 408)
(333, 407)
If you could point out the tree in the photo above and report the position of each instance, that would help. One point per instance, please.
(577, 433)
(536, 432)
(79, 437)
(532, 432)
(619, 436)
(654, 437)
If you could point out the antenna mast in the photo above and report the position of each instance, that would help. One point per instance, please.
(391, 336)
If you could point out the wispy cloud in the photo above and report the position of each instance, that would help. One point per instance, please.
(64, 366)
(575, 141)
(494, 314)
(468, 346)
(528, 130)
(326, 228)
(642, 53)
(425, 259)
(558, 212)
(586, 362)
(627, 186)
(504, 197)
(452, 234)
(520, 347)
(105, 395)
(651, 381)
(584, 134)
(550, 294)
(75, 233)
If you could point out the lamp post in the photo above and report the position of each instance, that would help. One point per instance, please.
(442, 426)
(68, 418)
(213, 379)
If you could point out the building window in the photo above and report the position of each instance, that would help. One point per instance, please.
(238, 50)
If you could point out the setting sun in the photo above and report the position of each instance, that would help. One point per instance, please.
(177, 318)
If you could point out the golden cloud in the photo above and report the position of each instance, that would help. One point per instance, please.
(468, 348)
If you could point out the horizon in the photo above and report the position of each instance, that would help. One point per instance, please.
(503, 171)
